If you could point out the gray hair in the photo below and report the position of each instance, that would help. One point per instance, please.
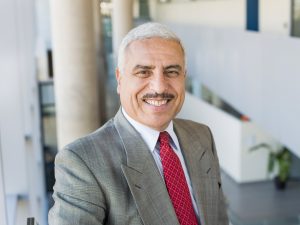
(146, 31)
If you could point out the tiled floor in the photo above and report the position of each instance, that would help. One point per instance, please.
(261, 204)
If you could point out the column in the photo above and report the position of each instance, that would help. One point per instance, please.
(101, 69)
(122, 16)
(75, 69)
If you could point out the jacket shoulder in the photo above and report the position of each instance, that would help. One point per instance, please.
(96, 143)
(193, 131)
(191, 125)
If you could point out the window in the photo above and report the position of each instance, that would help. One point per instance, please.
(252, 15)
(295, 18)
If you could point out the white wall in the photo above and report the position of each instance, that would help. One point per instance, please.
(12, 96)
(220, 13)
(256, 73)
(254, 163)
(42, 10)
(3, 215)
(19, 108)
(275, 16)
(43, 40)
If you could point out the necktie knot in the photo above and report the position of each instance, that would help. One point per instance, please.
(164, 137)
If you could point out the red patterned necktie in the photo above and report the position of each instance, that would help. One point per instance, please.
(176, 182)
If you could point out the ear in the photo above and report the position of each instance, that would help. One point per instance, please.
(118, 78)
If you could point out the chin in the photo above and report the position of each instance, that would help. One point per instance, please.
(157, 122)
(159, 126)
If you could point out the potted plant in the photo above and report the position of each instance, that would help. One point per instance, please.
(281, 159)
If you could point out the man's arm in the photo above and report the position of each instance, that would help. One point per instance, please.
(222, 216)
(77, 195)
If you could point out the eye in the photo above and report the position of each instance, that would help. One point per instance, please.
(143, 73)
(172, 73)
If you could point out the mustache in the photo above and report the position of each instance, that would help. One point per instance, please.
(163, 95)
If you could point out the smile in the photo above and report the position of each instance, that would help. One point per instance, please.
(156, 102)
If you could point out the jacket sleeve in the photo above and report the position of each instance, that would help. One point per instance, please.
(222, 212)
(77, 196)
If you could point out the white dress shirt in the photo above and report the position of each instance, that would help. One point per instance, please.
(150, 136)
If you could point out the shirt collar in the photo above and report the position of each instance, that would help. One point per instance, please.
(149, 135)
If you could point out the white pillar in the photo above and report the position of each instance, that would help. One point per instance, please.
(75, 69)
(122, 21)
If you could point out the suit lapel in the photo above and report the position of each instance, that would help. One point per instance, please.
(199, 164)
(143, 177)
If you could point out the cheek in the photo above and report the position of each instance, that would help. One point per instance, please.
(179, 87)
(138, 88)
(131, 91)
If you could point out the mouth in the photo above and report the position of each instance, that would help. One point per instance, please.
(158, 100)
(157, 103)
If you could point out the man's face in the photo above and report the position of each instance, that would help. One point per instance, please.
(152, 83)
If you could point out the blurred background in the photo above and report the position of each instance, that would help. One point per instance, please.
(57, 62)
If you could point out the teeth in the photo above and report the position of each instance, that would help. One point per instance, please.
(156, 103)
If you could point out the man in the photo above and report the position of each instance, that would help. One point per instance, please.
(143, 166)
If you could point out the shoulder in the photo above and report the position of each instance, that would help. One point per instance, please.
(193, 132)
(191, 126)
(96, 145)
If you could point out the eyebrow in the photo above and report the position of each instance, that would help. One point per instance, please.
(143, 67)
(176, 66)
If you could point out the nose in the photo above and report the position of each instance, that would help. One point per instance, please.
(159, 83)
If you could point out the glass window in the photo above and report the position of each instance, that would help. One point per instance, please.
(252, 15)
(296, 18)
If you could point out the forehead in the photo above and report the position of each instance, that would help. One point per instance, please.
(155, 47)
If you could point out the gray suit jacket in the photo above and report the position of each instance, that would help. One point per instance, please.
(110, 177)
